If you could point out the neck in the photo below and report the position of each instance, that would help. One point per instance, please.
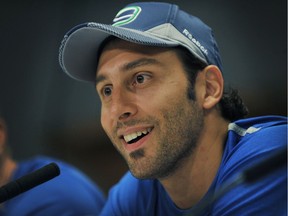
(191, 181)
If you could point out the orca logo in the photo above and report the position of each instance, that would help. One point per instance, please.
(126, 15)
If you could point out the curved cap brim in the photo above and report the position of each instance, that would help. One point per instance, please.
(79, 49)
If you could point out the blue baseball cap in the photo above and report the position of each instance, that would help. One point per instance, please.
(147, 23)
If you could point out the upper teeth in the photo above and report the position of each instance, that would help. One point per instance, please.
(134, 135)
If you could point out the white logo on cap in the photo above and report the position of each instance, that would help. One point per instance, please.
(121, 19)
(190, 36)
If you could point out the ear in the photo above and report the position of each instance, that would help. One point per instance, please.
(214, 85)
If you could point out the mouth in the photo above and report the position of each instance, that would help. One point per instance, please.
(136, 136)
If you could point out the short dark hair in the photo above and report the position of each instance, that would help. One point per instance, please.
(231, 104)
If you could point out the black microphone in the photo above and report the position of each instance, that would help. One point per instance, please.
(266, 166)
(29, 181)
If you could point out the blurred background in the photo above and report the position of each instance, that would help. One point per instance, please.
(49, 113)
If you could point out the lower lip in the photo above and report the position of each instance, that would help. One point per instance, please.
(138, 144)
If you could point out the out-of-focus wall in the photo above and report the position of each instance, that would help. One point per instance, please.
(48, 112)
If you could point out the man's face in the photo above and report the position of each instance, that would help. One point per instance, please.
(145, 109)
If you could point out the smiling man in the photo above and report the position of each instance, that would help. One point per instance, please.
(158, 73)
(141, 89)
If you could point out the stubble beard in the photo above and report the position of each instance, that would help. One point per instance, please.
(176, 142)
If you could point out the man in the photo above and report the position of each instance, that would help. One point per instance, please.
(157, 71)
(70, 193)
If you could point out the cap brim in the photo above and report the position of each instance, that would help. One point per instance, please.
(78, 53)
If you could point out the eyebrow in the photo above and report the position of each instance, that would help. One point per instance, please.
(131, 65)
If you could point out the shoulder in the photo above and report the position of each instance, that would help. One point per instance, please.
(71, 191)
(252, 139)
(249, 141)
(248, 126)
(70, 176)
(256, 136)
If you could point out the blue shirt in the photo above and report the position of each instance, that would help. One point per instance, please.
(248, 141)
(70, 194)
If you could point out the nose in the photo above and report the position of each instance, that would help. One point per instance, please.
(123, 105)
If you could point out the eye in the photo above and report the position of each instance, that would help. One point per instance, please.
(140, 79)
(106, 91)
